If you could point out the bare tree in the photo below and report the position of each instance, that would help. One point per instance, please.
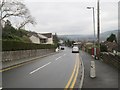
(14, 8)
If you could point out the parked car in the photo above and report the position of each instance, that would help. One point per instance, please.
(75, 49)
(62, 48)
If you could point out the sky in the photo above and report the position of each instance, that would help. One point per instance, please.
(66, 17)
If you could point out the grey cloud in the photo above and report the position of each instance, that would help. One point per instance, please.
(70, 18)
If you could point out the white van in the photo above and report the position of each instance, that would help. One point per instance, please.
(75, 49)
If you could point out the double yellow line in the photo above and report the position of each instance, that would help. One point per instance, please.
(74, 75)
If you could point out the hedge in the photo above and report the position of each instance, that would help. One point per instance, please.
(15, 45)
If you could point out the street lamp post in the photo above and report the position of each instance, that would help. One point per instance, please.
(93, 28)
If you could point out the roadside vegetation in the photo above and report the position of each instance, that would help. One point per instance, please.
(104, 47)
(13, 39)
(14, 36)
(9, 33)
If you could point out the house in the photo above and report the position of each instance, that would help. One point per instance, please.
(38, 38)
(111, 46)
(43, 39)
(34, 38)
(61, 42)
(49, 37)
(89, 45)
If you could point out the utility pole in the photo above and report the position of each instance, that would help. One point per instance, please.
(1, 43)
(1, 2)
(98, 28)
(1, 16)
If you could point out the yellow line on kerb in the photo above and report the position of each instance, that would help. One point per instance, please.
(12, 67)
(72, 86)
(68, 84)
(21, 64)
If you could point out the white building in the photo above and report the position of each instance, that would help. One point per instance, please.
(44, 38)
(49, 37)
(34, 39)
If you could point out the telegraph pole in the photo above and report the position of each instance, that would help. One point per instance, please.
(98, 28)
(1, 2)
(1, 43)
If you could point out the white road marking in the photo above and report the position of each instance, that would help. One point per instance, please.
(39, 68)
(45, 65)
(83, 70)
(59, 57)
(64, 54)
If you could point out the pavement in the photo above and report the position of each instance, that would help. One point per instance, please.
(106, 76)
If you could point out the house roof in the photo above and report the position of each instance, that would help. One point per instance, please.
(32, 33)
(48, 35)
(41, 36)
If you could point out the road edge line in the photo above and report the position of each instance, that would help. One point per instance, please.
(83, 72)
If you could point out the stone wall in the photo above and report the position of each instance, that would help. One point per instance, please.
(111, 58)
(16, 55)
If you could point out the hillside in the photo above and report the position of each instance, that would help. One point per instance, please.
(103, 36)
(10, 33)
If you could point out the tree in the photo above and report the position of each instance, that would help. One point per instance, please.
(8, 30)
(68, 43)
(112, 38)
(103, 48)
(56, 39)
(8, 23)
(15, 8)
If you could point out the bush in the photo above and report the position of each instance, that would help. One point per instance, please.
(90, 51)
(15, 45)
(103, 48)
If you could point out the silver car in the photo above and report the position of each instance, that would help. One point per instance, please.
(75, 49)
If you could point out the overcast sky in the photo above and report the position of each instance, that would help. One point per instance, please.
(71, 16)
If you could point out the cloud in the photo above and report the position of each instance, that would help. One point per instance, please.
(71, 17)
(71, 0)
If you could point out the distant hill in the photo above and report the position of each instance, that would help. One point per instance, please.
(103, 36)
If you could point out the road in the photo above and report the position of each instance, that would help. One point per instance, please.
(60, 70)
